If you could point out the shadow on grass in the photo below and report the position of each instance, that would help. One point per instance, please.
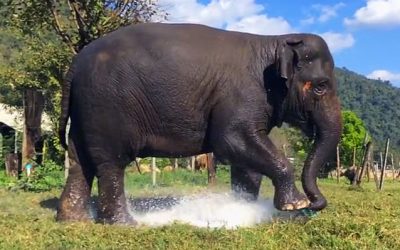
(146, 204)
(51, 203)
(217, 210)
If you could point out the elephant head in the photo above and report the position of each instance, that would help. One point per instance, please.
(311, 103)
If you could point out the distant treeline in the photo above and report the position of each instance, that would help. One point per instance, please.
(376, 102)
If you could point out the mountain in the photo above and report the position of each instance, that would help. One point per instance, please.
(376, 102)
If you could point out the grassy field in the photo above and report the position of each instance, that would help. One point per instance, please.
(355, 219)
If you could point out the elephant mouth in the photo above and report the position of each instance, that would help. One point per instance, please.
(306, 124)
(309, 128)
(310, 131)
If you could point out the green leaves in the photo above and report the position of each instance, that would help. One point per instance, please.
(39, 38)
(79, 22)
(353, 136)
(38, 62)
(42, 36)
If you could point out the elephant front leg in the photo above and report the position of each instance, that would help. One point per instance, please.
(245, 183)
(255, 151)
(74, 201)
(112, 205)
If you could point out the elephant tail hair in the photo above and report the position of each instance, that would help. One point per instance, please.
(65, 106)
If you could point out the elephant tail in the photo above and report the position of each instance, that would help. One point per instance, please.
(65, 106)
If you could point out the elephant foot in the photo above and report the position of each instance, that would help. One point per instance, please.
(289, 201)
(243, 195)
(120, 219)
(318, 204)
(66, 211)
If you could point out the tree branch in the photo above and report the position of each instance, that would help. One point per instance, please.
(58, 28)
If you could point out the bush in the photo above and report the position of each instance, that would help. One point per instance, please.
(4, 179)
(43, 178)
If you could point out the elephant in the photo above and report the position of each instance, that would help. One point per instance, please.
(202, 162)
(176, 90)
(350, 173)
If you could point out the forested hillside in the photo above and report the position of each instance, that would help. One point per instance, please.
(376, 102)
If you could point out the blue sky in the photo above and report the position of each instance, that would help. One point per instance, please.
(363, 35)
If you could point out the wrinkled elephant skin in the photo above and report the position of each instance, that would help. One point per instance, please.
(175, 90)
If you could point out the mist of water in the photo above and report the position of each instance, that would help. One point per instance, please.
(207, 210)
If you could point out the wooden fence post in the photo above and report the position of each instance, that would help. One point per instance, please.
(192, 162)
(15, 142)
(66, 164)
(153, 170)
(365, 162)
(337, 164)
(370, 161)
(175, 164)
(354, 167)
(392, 161)
(376, 177)
(211, 169)
(1, 146)
(384, 164)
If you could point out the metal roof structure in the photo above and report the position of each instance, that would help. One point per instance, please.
(13, 117)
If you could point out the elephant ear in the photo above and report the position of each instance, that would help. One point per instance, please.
(286, 57)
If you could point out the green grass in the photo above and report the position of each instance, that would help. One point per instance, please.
(354, 219)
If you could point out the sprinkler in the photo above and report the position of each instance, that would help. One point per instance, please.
(308, 212)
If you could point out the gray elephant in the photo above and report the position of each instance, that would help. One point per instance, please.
(175, 90)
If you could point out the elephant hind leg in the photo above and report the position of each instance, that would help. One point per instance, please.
(74, 201)
(112, 205)
(245, 183)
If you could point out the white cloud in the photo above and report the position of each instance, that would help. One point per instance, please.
(238, 15)
(376, 13)
(328, 11)
(385, 75)
(338, 41)
(247, 16)
(323, 13)
(261, 24)
(307, 21)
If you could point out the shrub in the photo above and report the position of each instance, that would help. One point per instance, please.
(43, 178)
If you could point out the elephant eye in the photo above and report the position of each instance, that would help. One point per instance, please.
(320, 89)
(300, 65)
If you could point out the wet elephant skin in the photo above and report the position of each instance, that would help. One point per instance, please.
(175, 90)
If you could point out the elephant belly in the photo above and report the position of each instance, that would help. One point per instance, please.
(174, 146)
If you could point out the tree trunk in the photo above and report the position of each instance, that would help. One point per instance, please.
(33, 109)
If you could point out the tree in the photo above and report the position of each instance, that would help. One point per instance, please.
(78, 22)
(353, 136)
(51, 32)
(30, 76)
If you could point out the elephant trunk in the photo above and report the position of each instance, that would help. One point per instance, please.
(327, 119)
